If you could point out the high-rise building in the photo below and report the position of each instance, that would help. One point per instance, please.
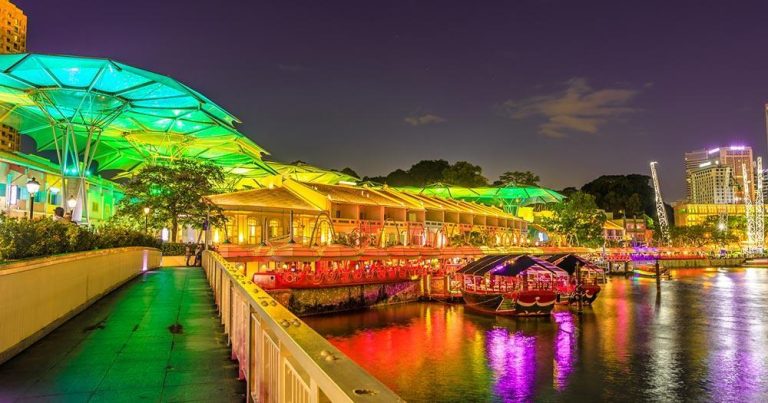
(711, 184)
(692, 161)
(732, 157)
(13, 39)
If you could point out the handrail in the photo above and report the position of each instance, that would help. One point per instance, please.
(281, 358)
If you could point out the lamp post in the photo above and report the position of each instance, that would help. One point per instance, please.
(146, 219)
(32, 187)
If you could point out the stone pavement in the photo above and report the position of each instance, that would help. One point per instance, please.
(157, 338)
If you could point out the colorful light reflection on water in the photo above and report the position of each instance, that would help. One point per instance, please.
(703, 338)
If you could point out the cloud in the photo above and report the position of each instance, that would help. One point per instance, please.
(578, 108)
(424, 119)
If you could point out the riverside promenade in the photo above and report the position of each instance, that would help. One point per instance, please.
(157, 338)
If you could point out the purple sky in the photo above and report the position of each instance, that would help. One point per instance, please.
(570, 90)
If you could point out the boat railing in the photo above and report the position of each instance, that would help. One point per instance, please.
(280, 357)
(286, 278)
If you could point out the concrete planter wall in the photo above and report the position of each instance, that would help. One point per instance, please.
(37, 295)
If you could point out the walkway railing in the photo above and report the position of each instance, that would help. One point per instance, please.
(281, 358)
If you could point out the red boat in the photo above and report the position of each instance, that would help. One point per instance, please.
(513, 285)
(591, 276)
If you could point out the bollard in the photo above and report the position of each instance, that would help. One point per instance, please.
(658, 276)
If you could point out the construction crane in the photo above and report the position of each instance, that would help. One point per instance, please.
(661, 212)
(749, 210)
(759, 208)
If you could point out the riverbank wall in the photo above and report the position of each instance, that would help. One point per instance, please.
(705, 262)
(313, 301)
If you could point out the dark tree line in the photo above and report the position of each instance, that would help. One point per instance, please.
(623, 195)
(461, 173)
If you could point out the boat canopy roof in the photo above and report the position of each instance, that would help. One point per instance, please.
(509, 265)
(568, 262)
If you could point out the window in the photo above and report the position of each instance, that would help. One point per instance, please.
(254, 231)
(274, 228)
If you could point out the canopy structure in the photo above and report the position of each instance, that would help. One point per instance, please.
(298, 171)
(99, 114)
(569, 262)
(509, 265)
(507, 197)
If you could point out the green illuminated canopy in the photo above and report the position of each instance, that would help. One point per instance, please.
(90, 109)
(506, 197)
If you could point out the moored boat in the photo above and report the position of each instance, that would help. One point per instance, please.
(511, 285)
(588, 286)
(649, 271)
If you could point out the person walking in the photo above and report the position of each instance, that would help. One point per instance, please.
(199, 255)
(188, 252)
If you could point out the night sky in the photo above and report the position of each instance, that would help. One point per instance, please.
(568, 89)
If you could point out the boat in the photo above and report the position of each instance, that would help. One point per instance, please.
(509, 285)
(649, 270)
(585, 288)
(756, 262)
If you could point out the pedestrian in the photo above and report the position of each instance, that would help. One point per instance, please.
(58, 214)
(188, 252)
(199, 255)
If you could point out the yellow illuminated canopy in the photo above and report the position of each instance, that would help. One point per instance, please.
(298, 171)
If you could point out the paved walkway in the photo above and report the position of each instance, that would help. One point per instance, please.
(128, 347)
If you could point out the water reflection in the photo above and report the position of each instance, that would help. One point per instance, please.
(565, 350)
(704, 340)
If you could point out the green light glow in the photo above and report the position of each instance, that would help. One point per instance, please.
(143, 117)
(506, 197)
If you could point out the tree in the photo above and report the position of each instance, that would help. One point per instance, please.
(399, 177)
(427, 172)
(634, 206)
(173, 192)
(462, 173)
(349, 171)
(526, 178)
(577, 220)
(568, 191)
(612, 193)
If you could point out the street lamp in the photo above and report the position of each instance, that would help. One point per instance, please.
(32, 187)
(146, 218)
(71, 203)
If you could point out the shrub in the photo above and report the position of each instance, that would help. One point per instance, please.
(174, 249)
(44, 237)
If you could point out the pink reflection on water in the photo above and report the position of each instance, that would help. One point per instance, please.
(512, 357)
(565, 350)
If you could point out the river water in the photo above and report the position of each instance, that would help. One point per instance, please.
(703, 338)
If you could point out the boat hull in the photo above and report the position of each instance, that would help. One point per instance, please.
(588, 294)
(524, 303)
(650, 272)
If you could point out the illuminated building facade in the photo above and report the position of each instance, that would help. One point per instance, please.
(687, 214)
(17, 168)
(732, 157)
(359, 216)
(13, 39)
(13, 35)
(711, 184)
